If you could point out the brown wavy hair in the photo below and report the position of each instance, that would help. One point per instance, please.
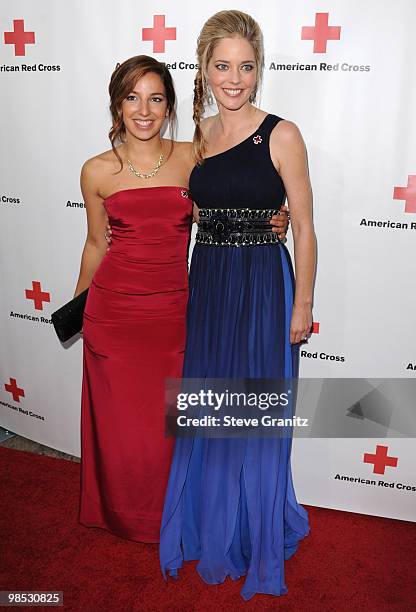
(225, 24)
(122, 82)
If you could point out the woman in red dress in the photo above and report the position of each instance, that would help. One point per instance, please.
(134, 320)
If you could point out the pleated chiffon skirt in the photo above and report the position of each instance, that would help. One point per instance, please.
(230, 502)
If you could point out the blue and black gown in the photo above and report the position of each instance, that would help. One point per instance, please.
(230, 502)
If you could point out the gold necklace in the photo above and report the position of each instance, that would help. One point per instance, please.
(146, 175)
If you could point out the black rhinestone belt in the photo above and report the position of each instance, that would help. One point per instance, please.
(235, 226)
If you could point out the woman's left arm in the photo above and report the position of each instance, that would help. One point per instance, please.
(288, 153)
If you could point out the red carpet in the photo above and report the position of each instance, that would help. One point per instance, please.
(349, 561)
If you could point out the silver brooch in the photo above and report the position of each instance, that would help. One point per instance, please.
(257, 139)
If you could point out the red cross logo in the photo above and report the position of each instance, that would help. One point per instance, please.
(16, 391)
(380, 459)
(19, 38)
(408, 194)
(315, 327)
(37, 295)
(321, 32)
(159, 34)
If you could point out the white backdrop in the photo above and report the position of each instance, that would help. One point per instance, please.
(352, 97)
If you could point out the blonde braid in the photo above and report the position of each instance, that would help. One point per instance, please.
(198, 111)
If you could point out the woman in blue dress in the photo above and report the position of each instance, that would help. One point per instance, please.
(230, 502)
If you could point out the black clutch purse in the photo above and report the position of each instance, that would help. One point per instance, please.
(67, 321)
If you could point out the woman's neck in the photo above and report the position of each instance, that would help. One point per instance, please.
(136, 149)
(231, 121)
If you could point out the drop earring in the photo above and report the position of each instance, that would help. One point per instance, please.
(209, 96)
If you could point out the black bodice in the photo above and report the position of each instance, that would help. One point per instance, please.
(241, 177)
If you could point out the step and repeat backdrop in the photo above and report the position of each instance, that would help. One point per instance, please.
(344, 73)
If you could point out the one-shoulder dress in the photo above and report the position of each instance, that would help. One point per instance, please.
(230, 502)
(134, 338)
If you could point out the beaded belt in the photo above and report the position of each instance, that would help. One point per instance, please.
(235, 226)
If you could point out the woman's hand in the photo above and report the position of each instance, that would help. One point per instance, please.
(281, 222)
(301, 323)
(107, 234)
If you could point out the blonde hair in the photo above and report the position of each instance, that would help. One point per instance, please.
(225, 24)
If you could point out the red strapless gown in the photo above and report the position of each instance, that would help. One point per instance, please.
(134, 337)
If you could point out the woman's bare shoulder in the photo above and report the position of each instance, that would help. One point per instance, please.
(182, 146)
(100, 161)
(286, 132)
(99, 165)
(184, 150)
(96, 170)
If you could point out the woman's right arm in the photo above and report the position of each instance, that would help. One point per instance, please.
(95, 244)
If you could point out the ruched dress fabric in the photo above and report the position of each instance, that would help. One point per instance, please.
(134, 337)
(230, 503)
